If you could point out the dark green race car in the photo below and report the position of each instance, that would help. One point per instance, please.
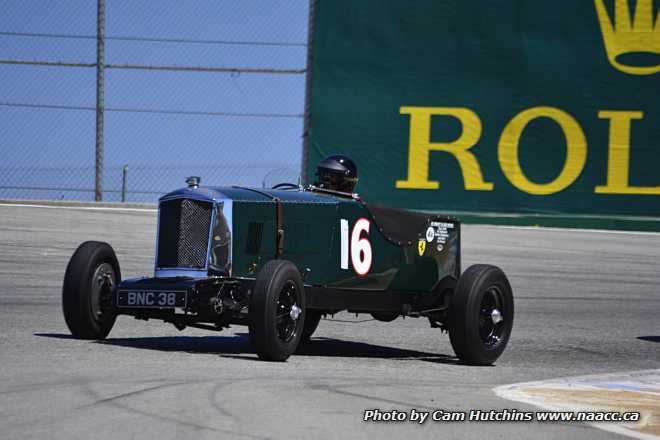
(277, 260)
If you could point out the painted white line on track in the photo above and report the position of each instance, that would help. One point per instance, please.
(627, 391)
(86, 208)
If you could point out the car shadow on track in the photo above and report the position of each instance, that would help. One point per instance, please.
(338, 348)
(649, 338)
(55, 335)
(231, 346)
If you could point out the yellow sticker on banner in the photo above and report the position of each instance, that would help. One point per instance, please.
(421, 247)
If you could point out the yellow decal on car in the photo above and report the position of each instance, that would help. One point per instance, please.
(421, 247)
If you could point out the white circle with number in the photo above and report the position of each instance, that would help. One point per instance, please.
(430, 234)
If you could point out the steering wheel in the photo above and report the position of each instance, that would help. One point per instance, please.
(285, 185)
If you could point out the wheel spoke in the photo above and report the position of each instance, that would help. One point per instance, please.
(285, 323)
(101, 289)
(280, 317)
(491, 317)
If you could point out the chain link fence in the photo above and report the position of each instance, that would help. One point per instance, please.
(137, 184)
(212, 89)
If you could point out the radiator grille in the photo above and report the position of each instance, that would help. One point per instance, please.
(183, 237)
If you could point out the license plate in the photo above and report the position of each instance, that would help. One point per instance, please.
(162, 299)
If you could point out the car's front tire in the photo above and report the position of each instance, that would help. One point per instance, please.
(481, 315)
(312, 320)
(90, 276)
(277, 311)
(385, 317)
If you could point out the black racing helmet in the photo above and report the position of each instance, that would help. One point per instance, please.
(337, 173)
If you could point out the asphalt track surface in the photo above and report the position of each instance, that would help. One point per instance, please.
(586, 302)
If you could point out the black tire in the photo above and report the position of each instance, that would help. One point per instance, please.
(274, 331)
(385, 317)
(483, 292)
(312, 319)
(90, 276)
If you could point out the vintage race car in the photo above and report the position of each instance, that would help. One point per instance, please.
(279, 259)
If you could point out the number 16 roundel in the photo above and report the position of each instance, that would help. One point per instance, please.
(360, 248)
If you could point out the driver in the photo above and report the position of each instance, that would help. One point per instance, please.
(337, 173)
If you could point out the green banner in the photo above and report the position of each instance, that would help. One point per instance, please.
(507, 106)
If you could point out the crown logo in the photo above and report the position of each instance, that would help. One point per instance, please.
(627, 39)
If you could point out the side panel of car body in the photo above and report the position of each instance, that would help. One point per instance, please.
(334, 241)
(315, 243)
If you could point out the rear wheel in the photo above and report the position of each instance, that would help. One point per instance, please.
(90, 277)
(481, 315)
(277, 311)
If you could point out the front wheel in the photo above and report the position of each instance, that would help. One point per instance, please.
(385, 317)
(481, 315)
(277, 311)
(92, 273)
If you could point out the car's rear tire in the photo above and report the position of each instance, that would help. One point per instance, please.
(90, 276)
(481, 315)
(277, 311)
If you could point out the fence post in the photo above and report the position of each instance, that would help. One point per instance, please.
(124, 183)
(308, 92)
(100, 66)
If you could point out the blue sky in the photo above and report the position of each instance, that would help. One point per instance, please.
(159, 149)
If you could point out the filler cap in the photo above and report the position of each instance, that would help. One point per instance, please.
(193, 181)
